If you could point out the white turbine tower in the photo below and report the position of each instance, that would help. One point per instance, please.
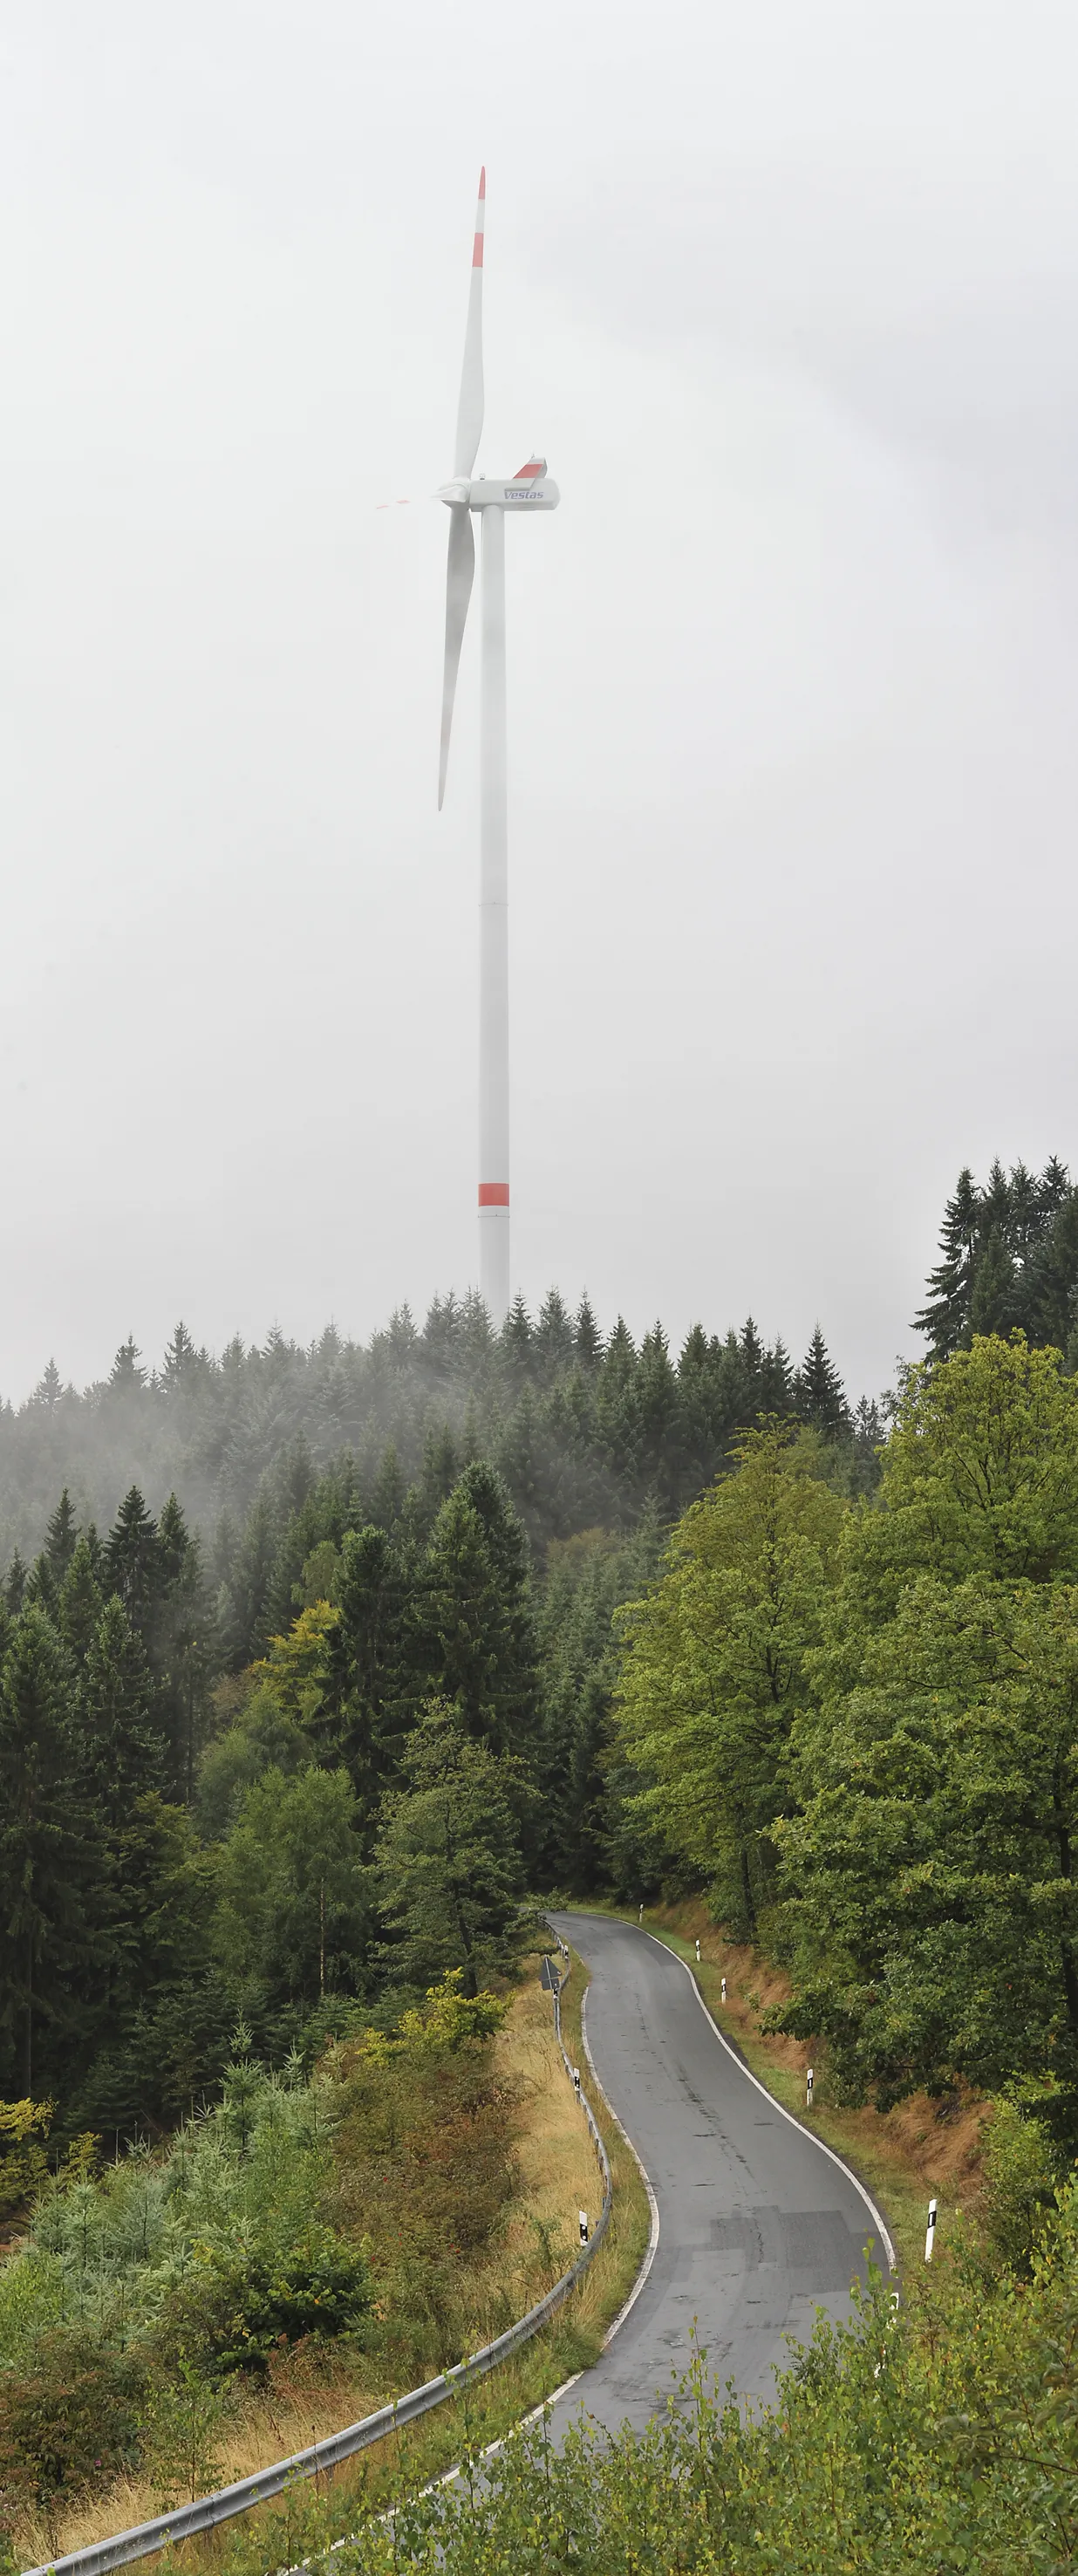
(527, 490)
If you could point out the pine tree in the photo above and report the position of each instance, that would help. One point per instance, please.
(994, 1301)
(554, 1337)
(776, 1380)
(123, 1750)
(245, 1630)
(45, 1853)
(40, 1586)
(587, 1336)
(440, 1469)
(132, 1567)
(516, 1344)
(476, 1639)
(945, 1318)
(15, 1583)
(127, 1377)
(821, 1396)
(366, 1698)
(61, 1536)
(80, 1601)
(183, 1648)
(388, 1493)
(49, 1388)
(183, 1366)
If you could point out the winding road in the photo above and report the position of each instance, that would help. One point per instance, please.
(758, 2224)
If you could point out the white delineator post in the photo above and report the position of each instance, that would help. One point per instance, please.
(930, 2234)
(494, 938)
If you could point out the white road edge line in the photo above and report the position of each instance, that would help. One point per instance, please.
(778, 2106)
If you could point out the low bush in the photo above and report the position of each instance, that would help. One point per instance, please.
(73, 2420)
(237, 2304)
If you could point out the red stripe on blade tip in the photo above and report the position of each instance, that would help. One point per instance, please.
(494, 1194)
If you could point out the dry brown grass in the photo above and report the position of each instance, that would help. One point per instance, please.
(311, 2394)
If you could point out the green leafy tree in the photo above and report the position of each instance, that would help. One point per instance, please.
(932, 1906)
(715, 1670)
(294, 1906)
(448, 1863)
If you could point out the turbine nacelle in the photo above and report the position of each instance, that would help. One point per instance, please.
(532, 489)
(540, 493)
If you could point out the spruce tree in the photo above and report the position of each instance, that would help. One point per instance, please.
(821, 1396)
(15, 1583)
(46, 1854)
(133, 1569)
(945, 1317)
(587, 1336)
(80, 1601)
(554, 1337)
(123, 1749)
(516, 1343)
(366, 1701)
(61, 1536)
(475, 1633)
(1054, 1282)
(994, 1301)
(440, 1469)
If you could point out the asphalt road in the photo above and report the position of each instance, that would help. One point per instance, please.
(758, 2225)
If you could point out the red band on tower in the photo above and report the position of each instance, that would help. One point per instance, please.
(494, 1194)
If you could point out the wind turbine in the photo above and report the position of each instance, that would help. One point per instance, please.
(530, 489)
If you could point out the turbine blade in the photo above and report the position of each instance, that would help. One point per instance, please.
(460, 574)
(470, 412)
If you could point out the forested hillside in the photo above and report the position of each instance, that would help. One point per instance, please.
(583, 1430)
(299, 1749)
(314, 1757)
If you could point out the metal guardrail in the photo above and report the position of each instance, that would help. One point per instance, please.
(207, 2511)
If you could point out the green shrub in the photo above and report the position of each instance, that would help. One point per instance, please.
(75, 2419)
(236, 2304)
(1022, 2169)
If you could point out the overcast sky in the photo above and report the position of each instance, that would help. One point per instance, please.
(788, 295)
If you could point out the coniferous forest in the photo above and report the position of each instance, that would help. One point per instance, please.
(228, 1719)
